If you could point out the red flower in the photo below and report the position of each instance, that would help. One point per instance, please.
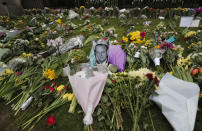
(121, 41)
(156, 81)
(51, 120)
(113, 81)
(66, 87)
(48, 87)
(185, 39)
(105, 38)
(52, 89)
(143, 34)
(54, 83)
(151, 8)
(194, 72)
(149, 76)
(85, 17)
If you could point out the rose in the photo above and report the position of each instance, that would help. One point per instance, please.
(194, 72)
(185, 39)
(143, 34)
(51, 120)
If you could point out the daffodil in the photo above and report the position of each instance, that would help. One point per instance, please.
(82, 7)
(68, 96)
(7, 72)
(190, 34)
(125, 39)
(50, 74)
(61, 87)
(59, 21)
(171, 73)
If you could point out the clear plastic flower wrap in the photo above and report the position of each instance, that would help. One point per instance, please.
(3, 67)
(72, 14)
(156, 55)
(70, 44)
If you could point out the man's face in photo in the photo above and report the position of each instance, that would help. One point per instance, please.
(101, 53)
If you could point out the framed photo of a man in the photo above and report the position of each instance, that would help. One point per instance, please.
(101, 51)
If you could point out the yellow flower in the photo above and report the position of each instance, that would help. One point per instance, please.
(190, 34)
(7, 72)
(148, 43)
(68, 96)
(171, 73)
(50, 74)
(24, 55)
(60, 87)
(136, 38)
(59, 21)
(157, 46)
(82, 7)
(7, 20)
(125, 39)
(184, 62)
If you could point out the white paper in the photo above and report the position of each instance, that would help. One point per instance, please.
(27, 103)
(189, 21)
(195, 23)
(178, 101)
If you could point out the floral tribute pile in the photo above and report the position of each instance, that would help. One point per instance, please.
(36, 48)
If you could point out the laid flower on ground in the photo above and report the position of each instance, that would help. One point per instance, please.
(7, 72)
(61, 87)
(51, 120)
(68, 96)
(50, 74)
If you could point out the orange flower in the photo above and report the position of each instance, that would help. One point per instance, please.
(174, 48)
(157, 46)
(7, 20)
(21, 21)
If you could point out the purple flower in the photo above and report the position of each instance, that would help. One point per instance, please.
(2, 33)
(199, 10)
(19, 73)
(192, 10)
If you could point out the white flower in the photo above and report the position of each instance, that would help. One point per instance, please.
(92, 8)
(106, 8)
(141, 73)
(44, 25)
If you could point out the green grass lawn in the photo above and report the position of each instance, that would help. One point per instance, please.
(73, 122)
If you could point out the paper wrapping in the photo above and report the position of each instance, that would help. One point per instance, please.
(88, 91)
(178, 101)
